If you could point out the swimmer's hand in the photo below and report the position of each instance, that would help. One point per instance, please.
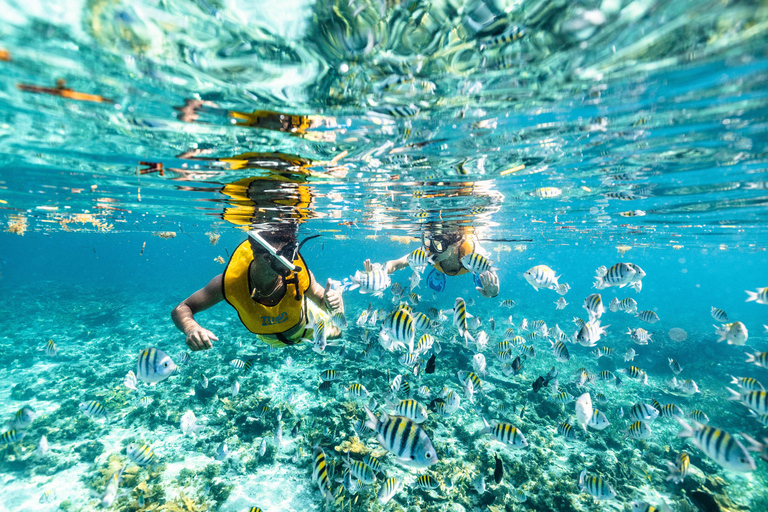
(332, 298)
(368, 266)
(199, 338)
(490, 282)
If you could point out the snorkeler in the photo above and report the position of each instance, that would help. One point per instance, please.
(446, 250)
(267, 282)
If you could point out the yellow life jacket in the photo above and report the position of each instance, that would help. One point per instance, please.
(466, 247)
(259, 318)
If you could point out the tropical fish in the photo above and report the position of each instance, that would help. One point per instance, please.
(11, 436)
(140, 455)
(594, 306)
(388, 489)
(129, 380)
(747, 383)
(679, 470)
(410, 409)
(735, 333)
(760, 296)
(110, 492)
(648, 316)
(541, 276)
(505, 433)
(596, 486)
(360, 471)
(320, 474)
(477, 263)
(719, 315)
(599, 420)
(638, 430)
(718, 445)
(404, 439)
(398, 328)
(418, 260)
(375, 282)
(93, 408)
(584, 410)
(154, 366)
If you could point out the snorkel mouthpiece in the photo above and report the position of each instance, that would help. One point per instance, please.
(271, 250)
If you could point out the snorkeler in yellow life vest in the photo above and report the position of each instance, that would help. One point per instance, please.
(280, 324)
(268, 283)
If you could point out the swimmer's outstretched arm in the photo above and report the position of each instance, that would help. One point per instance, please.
(183, 315)
(390, 266)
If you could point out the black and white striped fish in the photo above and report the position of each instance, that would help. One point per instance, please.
(154, 366)
(140, 455)
(375, 282)
(648, 316)
(404, 439)
(93, 409)
(505, 433)
(399, 330)
(718, 445)
(596, 486)
(477, 263)
(320, 474)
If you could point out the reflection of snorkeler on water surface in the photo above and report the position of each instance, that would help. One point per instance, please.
(64, 92)
(307, 126)
(277, 166)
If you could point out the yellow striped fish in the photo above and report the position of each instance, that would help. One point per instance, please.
(400, 329)
(320, 474)
(404, 439)
(596, 486)
(718, 445)
(460, 319)
(140, 455)
(154, 366)
(679, 470)
(505, 433)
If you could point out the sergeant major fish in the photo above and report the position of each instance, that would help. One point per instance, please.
(404, 439)
(154, 366)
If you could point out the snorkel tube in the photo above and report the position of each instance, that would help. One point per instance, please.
(271, 250)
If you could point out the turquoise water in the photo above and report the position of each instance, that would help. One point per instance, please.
(571, 135)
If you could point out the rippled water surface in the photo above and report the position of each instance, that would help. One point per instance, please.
(139, 138)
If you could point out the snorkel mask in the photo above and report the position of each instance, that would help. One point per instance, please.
(283, 257)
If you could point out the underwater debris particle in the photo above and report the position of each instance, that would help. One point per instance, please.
(353, 445)
(166, 234)
(219, 259)
(678, 334)
(623, 248)
(213, 237)
(17, 225)
(403, 239)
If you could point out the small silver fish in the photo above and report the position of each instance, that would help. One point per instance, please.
(263, 447)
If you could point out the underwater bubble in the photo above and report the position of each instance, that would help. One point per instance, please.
(678, 334)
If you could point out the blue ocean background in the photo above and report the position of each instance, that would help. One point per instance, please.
(566, 134)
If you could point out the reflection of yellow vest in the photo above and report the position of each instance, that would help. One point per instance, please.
(243, 209)
(258, 318)
(466, 247)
